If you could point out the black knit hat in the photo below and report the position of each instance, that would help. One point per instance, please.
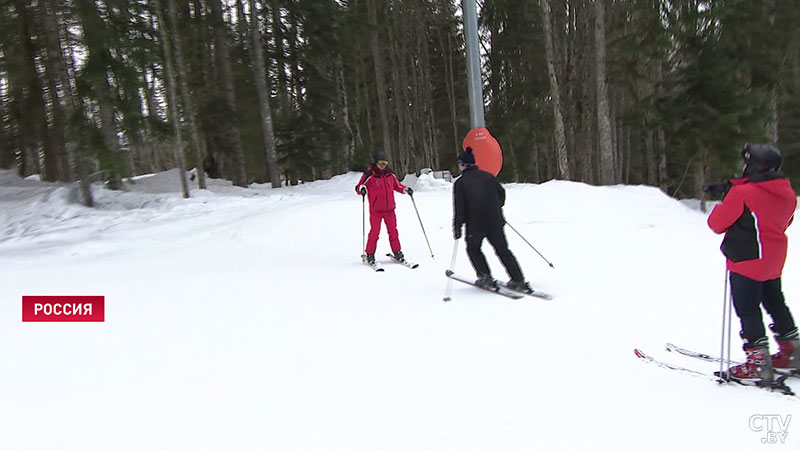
(378, 156)
(466, 158)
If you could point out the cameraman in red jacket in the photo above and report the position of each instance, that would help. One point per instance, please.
(754, 216)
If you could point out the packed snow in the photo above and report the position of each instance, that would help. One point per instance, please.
(244, 319)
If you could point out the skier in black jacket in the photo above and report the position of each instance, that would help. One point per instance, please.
(478, 200)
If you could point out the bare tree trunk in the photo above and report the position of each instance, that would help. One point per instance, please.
(650, 155)
(104, 93)
(364, 102)
(607, 175)
(343, 117)
(52, 67)
(263, 98)
(445, 39)
(67, 99)
(517, 163)
(569, 34)
(233, 138)
(153, 110)
(295, 85)
(380, 83)
(60, 156)
(661, 138)
(361, 105)
(173, 98)
(186, 97)
(536, 166)
(617, 136)
(569, 25)
(24, 87)
(582, 107)
(560, 136)
(431, 144)
(451, 93)
(6, 152)
(772, 122)
(280, 56)
(401, 101)
(701, 174)
(623, 153)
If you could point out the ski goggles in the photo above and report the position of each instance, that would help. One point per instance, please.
(383, 162)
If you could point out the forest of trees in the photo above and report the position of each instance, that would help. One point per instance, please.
(657, 92)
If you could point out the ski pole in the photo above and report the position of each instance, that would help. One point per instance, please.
(723, 374)
(363, 228)
(452, 266)
(531, 245)
(730, 315)
(420, 224)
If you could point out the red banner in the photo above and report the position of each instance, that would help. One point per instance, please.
(62, 308)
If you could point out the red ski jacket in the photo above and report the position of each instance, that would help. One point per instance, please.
(754, 216)
(381, 185)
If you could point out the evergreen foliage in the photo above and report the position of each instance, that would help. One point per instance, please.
(689, 82)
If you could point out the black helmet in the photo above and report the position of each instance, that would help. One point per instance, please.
(760, 158)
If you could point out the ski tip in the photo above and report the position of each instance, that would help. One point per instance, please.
(448, 273)
(638, 353)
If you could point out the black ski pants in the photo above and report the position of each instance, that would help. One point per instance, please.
(497, 238)
(748, 296)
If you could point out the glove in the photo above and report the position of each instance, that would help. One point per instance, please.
(362, 190)
(456, 232)
(717, 190)
(409, 191)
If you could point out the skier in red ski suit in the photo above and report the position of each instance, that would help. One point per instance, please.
(379, 183)
(754, 216)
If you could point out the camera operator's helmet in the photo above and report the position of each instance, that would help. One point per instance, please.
(759, 158)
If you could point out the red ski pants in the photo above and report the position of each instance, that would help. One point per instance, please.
(375, 219)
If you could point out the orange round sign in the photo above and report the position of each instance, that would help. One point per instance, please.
(488, 155)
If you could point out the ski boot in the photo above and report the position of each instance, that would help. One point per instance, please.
(486, 281)
(521, 286)
(788, 356)
(756, 369)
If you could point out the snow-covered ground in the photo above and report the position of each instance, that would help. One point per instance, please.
(244, 319)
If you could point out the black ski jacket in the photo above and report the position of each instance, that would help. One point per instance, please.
(478, 200)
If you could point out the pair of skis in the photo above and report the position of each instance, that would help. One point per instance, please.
(501, 288)
(378, 268)
(778, 385)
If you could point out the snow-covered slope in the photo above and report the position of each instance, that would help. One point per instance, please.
(243, 319)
